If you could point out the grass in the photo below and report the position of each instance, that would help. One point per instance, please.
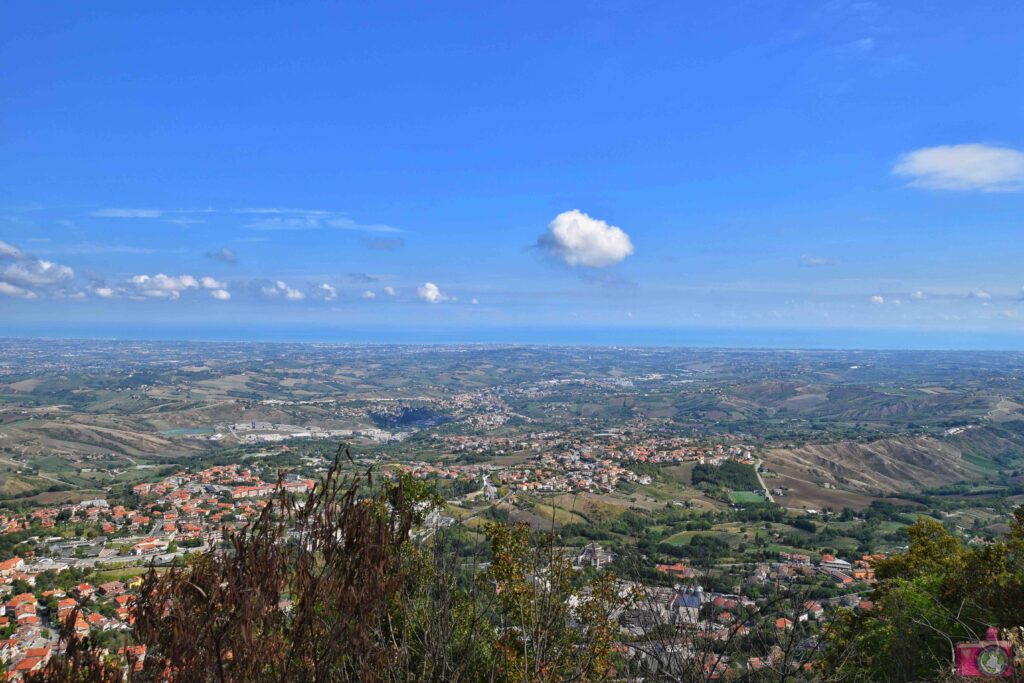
(981, 463)
(683, 537)
(740, 497)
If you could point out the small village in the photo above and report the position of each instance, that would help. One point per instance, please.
(62, 548)
(65, 552)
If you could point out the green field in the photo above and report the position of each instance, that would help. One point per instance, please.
(740, 497)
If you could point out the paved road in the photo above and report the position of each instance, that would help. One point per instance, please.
(135, 560)
(757, 471)
(41, 475)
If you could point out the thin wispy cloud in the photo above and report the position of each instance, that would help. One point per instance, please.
(183, 222)
(857, 48)
(301, 219)
(812, 261)
(87, 248)
(224, 255)
(978, 167)
(384, 243)
(127, 213)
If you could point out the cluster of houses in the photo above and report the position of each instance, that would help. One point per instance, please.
(190, 509)
(841, 571)
(697, 617)
(30, 620)
(568, 471)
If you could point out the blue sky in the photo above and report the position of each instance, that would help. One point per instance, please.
(638, 165)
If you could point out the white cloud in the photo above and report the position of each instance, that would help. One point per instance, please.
(349, 224)
(103, 292)
(815, 261)
(368, 294)
(964, 167)
(127, 213)
(858, 47)
(9, 251)
(221, 294)
(979, 294)
(474, 301)
(210, 283)
(162, 286)
(326, 292)
(878, 299)
(390, 291)
(223, 254)
(431, 293)
(7, 289)
(22, 273)
(32, 272)
(310, 219)
(281, 288)
(580, 240)
(919, 295)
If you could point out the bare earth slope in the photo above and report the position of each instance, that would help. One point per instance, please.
(884, 466)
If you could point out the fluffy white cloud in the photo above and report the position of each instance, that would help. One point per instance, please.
(369, 294)
(103, 292)
(979, 294)
(210, 283)
(7, 289)
(31, 272)
(919, 295)
(390, 291)
(580, 240)
(431, 293)
(127, 213)
(281, 288)
(964, 167)
(326, 292)
(878, 299)
(162, 286)
(21, 273)
(221, 294)
(474, 301)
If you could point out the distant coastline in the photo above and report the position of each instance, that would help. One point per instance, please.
(737, 338)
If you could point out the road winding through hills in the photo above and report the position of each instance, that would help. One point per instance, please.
(757, 471)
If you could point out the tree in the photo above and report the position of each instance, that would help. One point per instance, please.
(939, 592)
